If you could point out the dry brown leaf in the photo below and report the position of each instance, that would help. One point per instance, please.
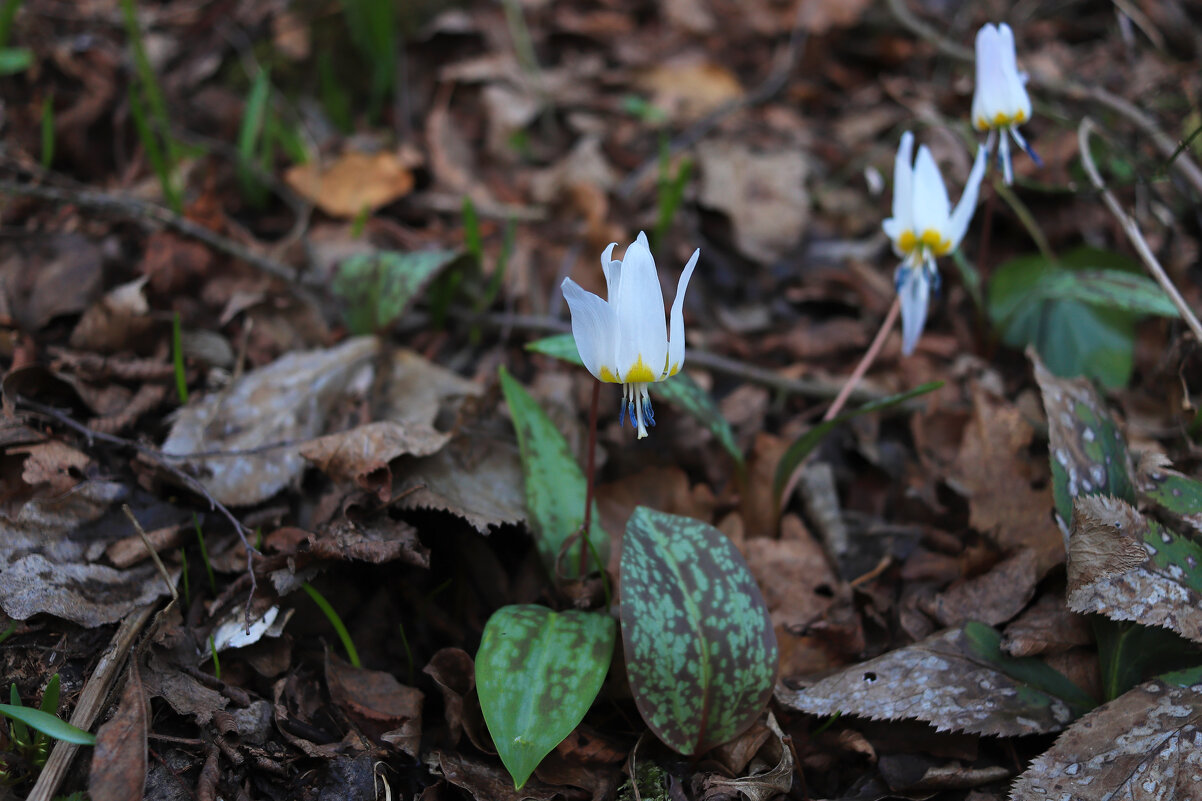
(1047, 627)
(1145, 744)
(454, 672)
(354, 182)
(184, 694)
(689, 88)
(52, 465)
(88, 594)
(115, 322)
(378, 539)
(819, 16)
(119, 759)
(362, 454)
(375, 697)
(1009, 493)
(55, 274)
(477, 478)
(769, 774)
(484, 781)
(286, 401)
(763, 194)
(993, 597)
(938, 680)
(1129, 567)
(789, 571)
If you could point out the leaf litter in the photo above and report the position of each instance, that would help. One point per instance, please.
(947, 588)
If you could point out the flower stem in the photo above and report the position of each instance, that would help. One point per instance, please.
(586, 527)
(1027, 219)
(865, 362)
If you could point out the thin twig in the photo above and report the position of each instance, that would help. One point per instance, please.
(1070, 89)
(158, 215)
(1131, 229)
(866, 361)
(157, 457)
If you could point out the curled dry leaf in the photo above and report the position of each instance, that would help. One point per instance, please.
(286, 401)
(119, 759)
(939, 680)
(476, 478)
(352, 183)
(362, 454)
(1129, 567)
(1145, 744)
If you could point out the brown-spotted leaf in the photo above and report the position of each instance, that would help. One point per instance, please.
(1129, 567)
(942, 680)
(1145, 744)
(1088, 452)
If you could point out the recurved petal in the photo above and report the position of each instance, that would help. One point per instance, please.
(676, 340)
(962, 216)
(613, 271)
(593, 327)
(914, 292)
(639, 307)
(903, 182)
(931, 206)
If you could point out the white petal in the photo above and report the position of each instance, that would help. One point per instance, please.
(914, 293)
(592, 327)
(961, 217)
(639, 307)
(903, 182)
(931, 206)
(613, 272)
(893, 229)
(1017, 102)
(989, 98)
(676, 341)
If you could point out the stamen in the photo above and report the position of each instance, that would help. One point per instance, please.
(1004, 154)
(1022, 142)
(648, 412)
(622, 409)
(899, 277)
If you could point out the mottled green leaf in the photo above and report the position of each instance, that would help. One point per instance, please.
(701, 655)
(1115, 289)
(1087, 451)
(555, 485)
(537, 673)
(47, 724)
(1072, 337)
(681, 391)
(376, 287)
(801, 448)
(1178, 496)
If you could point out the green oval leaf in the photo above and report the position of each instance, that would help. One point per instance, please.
(801, 448)
(537, 673)
(680, 391)
(377, 287)
(701, 655)
(48, 724)
(555, 485)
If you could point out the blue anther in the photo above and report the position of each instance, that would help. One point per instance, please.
(648, 412)
(622, 413)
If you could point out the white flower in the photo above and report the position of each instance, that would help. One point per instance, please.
(1000, 102)
(625, 341)
(923, 227)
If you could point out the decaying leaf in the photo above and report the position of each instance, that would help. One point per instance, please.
(477, 478)
(362, 454)
(940, 680)
(353, 183)
(377, 700)
(88, 594)
(690, 88)
(286, 401)
(1145, 744)
(1129, 567)
(119, 760)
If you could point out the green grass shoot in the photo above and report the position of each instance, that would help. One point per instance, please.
(8, 13)
(216, 658)
(336, 622)
(669, 191)
(253, 141)
(373, 28)
(177, 358)
(204, 553)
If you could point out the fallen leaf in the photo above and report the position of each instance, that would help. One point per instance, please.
(1129, 567)
(56, 274)
(1009, 497)
(88, 594)
(477, 478)
(1047, 627)
(819, 16)
(487, 782)
(1145, 744)
(376, 697)
(354, 182)
(184, 694)
(939, 680)
(773, 777)
(994, 597)
(52, 465)
(377, 539)
(362, 454)
(790, 571)
(763, 194)
(285, 401)
(453, 670)
(119, 760)
(689, 88)
(116, 322)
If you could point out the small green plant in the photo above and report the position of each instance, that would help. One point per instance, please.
(216, 658)
(339, 627)
(253, 146)
(30, 731)
(12, 59)
(373, 29)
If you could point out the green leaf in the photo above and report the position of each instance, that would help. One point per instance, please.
(1037, 303)
(1183, 678)
(20, 731)
(377, 287)
(680, 391)
(1087, 452)
(555, 485)
(1176, 493)
(701, 655)
(1113, 289)
(47, 724)
(15, 59)
(801, 448)
(985, 642)
(537, 673)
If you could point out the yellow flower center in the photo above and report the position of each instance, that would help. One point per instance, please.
(608, 376)
(640, 373)
(930, 240)
(1000, 120)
